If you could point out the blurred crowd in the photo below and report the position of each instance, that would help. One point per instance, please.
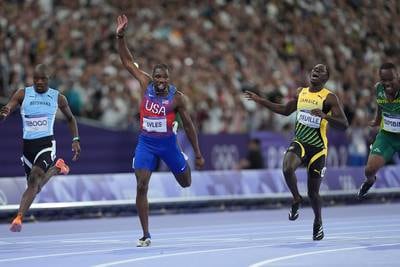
(215, 49)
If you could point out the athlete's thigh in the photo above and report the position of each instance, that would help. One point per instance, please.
(184, 178)
(40, 153)
(174, 158)
(316, 168)
(145, 158)
(293, 156)
(382, 147)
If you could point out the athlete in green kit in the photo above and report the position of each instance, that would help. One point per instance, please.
(387, 142)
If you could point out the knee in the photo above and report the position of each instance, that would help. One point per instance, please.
(34, 182)
(313, 195)
(370, 171)
(288, 171)
(142, 188)
(186, 183)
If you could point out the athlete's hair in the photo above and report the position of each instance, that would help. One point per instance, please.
(161, 66)
(387, 66)
(42, 69)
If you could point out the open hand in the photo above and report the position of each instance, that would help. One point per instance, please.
(251, 96)
(199, 162)
(76, 149)
(122, 23)
(4, 112)
(373, 124)
(318, 112)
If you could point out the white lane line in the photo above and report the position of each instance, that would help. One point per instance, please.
(62, 254)
(154, 248)
(189, 253)
(215, 228)
(226, 237)
(266, 262)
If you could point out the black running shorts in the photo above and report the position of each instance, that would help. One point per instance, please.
(311, 157)
(40, 152)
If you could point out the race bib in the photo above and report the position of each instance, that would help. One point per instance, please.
(158, 125)
(391, 123)
(307, 119)
(36, 124)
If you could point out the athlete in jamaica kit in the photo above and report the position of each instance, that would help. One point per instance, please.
(316, 107)
(38, 104)
(387, 141)
(157, 140)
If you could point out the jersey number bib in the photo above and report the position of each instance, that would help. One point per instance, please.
(307, 119)
(36, 124)
(391, 123)
(158, 125)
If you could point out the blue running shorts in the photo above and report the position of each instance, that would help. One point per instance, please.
(150, 149)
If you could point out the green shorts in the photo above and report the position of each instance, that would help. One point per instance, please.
(386, 144)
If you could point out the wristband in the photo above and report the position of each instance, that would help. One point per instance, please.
(120, 36)
(76, 138)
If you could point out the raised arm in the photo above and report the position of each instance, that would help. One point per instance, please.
(337, 118)
(189, 128)
(126, 56)
(15, 101)
(72, 125)
(283, 109)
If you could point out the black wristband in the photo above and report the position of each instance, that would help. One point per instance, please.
(120, 36)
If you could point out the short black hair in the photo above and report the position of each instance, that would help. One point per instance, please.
(161, 66)
(42, 69)
(387, 66)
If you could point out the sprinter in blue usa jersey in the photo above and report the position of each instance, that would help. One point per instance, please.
(38, 105)
(161, 101)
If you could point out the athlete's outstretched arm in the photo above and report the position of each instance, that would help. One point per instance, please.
(73, 127)
(337, 119)
(189, 128)
(126, 56)
(283, 109)
(15, 101)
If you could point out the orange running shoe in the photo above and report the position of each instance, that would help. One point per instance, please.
(64, 169)
(16, 224)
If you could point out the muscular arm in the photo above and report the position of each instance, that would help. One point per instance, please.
(127, 61)
(283, 109)
(187, 123)
(337, 119)
(72, 125)
(378, 117)
(126, 56)
(15, 101)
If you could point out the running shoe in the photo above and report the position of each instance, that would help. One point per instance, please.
(60, 164)
(294, 211)
(318, 231)
(145, 241)
(16, 224)
(365, 186)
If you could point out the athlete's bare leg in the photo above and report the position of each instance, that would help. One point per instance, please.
(142, 205)
(374, 163)
(314, 183)
(185, 178)
(29, 195)
(52, 171)
(290, 163)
